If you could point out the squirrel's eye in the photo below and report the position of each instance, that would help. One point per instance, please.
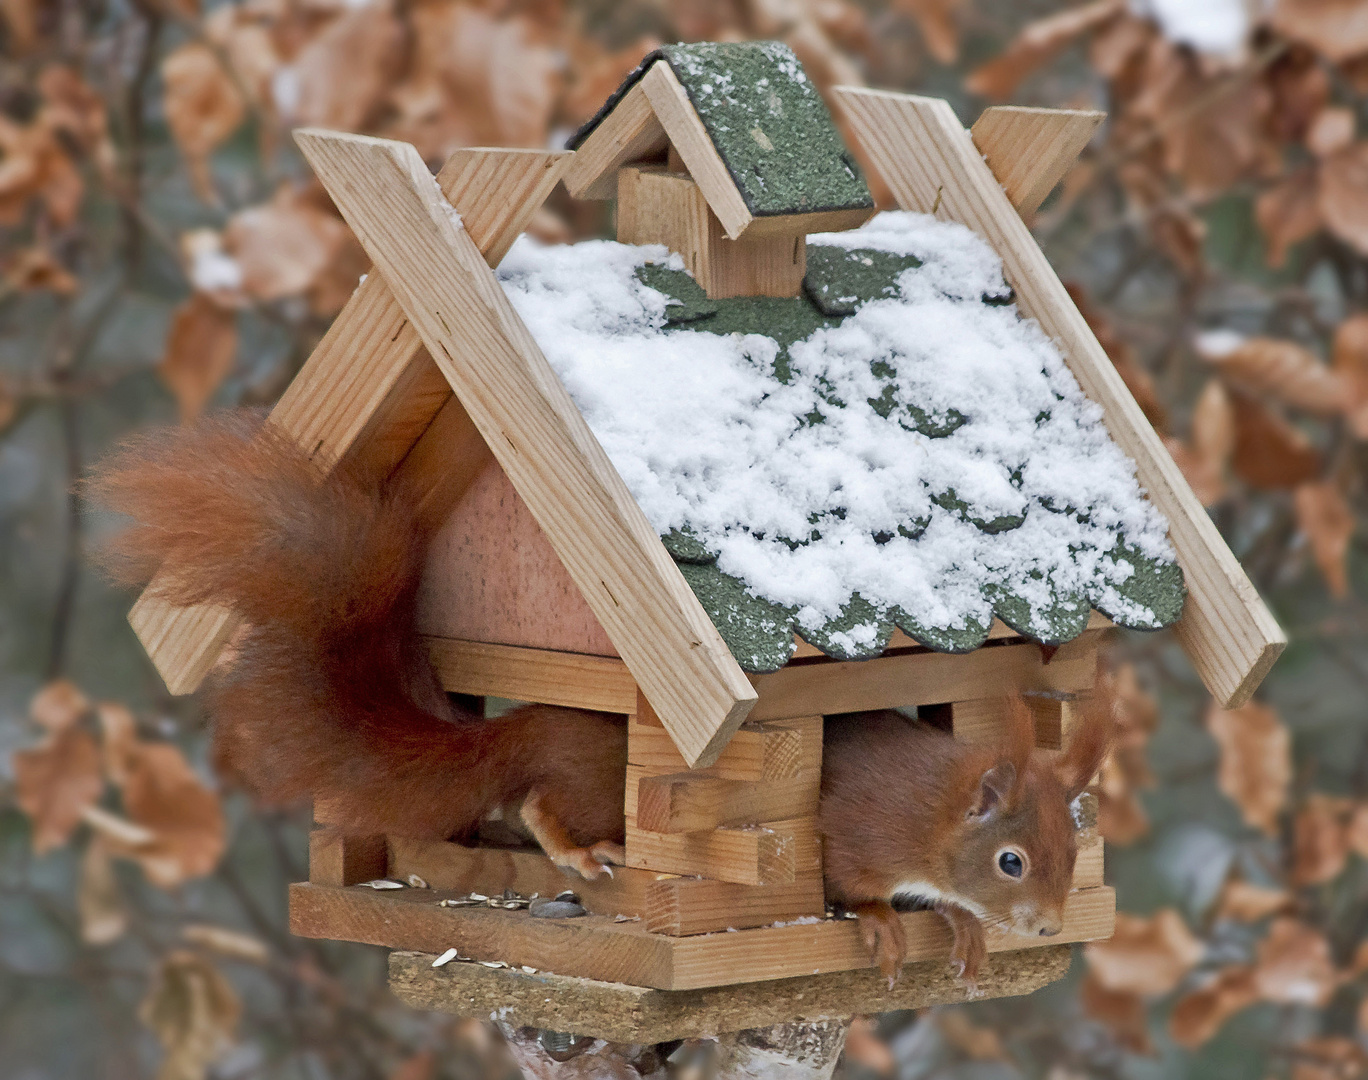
(1009, 862)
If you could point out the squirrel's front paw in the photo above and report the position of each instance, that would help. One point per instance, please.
(581, 861)
(883, 935)
(967, 956)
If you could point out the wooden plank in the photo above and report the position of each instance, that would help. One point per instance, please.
(776, 853)
(922, 678)
(552, 678)
(635, 1014)
(919, 148)
(670, 103)
(683, 906)
(492, 575)
(368, 377)
(490, 871)
(1089, 869)
(982, 720)
(538, 436)
(596, 947)
(689, 802)
(629, 133)
(443, 464)
(756, 751)
(1030, 150)
(656, 206)
(338, 859)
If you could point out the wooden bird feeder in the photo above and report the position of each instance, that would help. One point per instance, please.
(548, 584)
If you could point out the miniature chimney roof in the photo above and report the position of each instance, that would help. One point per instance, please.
(747, 123)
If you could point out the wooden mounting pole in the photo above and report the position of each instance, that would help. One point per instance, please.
(922, 152)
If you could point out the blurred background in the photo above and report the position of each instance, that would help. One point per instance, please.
(163, 251)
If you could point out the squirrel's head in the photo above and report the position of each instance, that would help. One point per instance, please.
(1015, 856)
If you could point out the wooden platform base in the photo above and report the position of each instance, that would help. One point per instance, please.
(636, 1014)
(600, 947)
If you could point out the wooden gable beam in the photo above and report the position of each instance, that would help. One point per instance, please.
(368, 390)
(1030, 150)
(919, 148)
(538, 436)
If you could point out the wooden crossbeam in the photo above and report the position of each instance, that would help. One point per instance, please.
(597, 947)
(537, 435)
(770, 854)
(1030, 150)
(572, 680)
(690, 905)
(756, 751)
(368, 390)
(337, 858)
(920, 149)
(688, 802)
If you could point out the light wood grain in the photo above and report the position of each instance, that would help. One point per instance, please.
(338, 859)
(629, 133)
(634, 1014)
(777, 853)
(756, 751)
(367, 391)
(538, 436)
(490, 871)
(572, 680)
(920, 149)
(682, 906)
(596, 947)
(1031, 150)
(918, 678)
(983, 720)
(690, 802)
(660, 207)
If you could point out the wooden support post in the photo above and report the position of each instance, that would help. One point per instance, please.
(982, 720)
(572, 680)
(919, 148)
(776, 853)
(690, 803)
(660, 207)
(538, 436)
(696, 906)
(369, 389)
(756, 752)
(338, 859)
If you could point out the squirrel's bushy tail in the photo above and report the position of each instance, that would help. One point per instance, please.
(326, 689)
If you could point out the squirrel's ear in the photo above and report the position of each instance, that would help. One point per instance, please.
(995, 786)
(1088, 746)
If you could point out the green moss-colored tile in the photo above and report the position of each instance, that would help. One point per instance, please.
(758, 633)
(1063, 620)
(963, 640)
(858, 612)
(948, 500)
(685, 300)
(840, 281)
(785, 319)
(770, 126)
(1156, 586)
(685, 546)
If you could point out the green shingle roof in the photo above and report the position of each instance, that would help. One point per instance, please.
(768, 123)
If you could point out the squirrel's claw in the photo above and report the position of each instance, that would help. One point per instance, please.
(883, 936)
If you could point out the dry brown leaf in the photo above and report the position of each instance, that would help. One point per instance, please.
(1255, 769)
(1269, 452)
(35, 268)
(55, 782)
(1289, 212)
(936, 21)
(1294, 967)
(1198, 1016)
(1120, 816)
(1247, 903)
(119, 737)
(193, 1011)
(203, 108)
(1350, 358)
(1037, 44)
(1301, 89)
(1324, 517)
(1138, 381)
(1338, 29)
(1329, 1058)
(863, 1047)
(9, 407)
(1122, 1011)
(98, 900)
(1357, 831)
(1283, 369)
(199, 353)
(974, 1041)
(77, 110)
(284, 247)
(1331, 131)
(1344, 195)
(21, 17)
(340, 79)
(163, 794)
(1145, 955)
(595, 72)
(1320, 839)
(58, 705)
(1205, 458)
(35, 166)
(230, 943)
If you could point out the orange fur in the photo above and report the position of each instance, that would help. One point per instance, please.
(909, 813)
(329, 692)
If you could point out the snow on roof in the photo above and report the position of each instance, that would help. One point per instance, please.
(767, 122)
(896, 447)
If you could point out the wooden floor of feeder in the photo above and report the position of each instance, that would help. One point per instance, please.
(634, 1014)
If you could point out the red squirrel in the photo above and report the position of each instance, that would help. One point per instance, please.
(327, 691)
(983, 834)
